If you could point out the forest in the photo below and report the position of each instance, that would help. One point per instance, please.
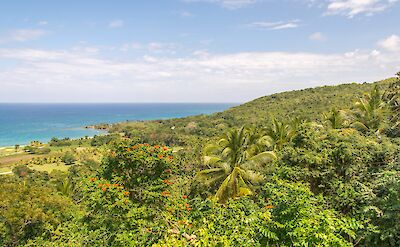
(312, 167)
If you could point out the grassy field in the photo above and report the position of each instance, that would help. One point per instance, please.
(50, 167)
(9, 157)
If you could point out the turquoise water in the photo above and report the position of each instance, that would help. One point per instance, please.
(22, 123)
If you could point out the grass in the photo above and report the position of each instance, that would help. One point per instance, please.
(6, 151)
(7, 162)
(50, 167)
(5, 169)
(9, 157)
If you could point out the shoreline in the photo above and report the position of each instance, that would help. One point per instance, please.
(113, 118)
(47, 142)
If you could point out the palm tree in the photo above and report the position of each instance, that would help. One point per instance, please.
(369, 112)
(233, 163)
(65, 187)
(280, 132)
(336, 118)
(392, 97)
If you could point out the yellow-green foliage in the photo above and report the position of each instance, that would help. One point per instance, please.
(308, 176)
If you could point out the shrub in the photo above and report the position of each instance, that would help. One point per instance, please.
(68, 158)
(138, 165)
(55, 142)
(30, 210)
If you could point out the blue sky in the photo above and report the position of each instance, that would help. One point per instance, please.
(191, 50)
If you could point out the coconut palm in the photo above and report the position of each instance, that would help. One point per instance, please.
(369, 112)
(65, 187)
(233, 163)
(281, 132)
(335, 118)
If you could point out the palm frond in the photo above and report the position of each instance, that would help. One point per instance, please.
(210, 176)
(359, 126)
(211, 149)
(211, 161)
(263, 158)
(233, 186)
(251, 176)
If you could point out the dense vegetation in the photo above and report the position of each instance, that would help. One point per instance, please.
(315, 167)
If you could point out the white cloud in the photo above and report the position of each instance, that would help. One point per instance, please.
(22, 35)
(317, 37)
(81, 75)
(375, 53)
(201, 53)
(279, 25)
(230, 4)
(42, 23)
(351, 8)
(115, 23)
(391, 43)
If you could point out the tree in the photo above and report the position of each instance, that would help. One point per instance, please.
(369, 112)
(140, 168)
(233, 164)
(280, 132)
(392, 97)
(29, 211)
(65, 187)
(335, 118)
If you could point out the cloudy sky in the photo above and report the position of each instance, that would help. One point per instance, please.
(191, 50)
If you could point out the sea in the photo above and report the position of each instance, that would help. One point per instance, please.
(22, 123)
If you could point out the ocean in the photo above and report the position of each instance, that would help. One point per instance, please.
(23, 123)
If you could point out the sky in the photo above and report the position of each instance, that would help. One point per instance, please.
(191, 50)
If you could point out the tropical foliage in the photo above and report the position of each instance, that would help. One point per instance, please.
(325, 171)
(369, 112)
(393, 99)
(235, 163)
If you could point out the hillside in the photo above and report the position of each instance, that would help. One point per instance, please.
(307, 104)
(207, 181)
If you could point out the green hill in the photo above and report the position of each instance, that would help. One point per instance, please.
(207, 181)
(307, 104)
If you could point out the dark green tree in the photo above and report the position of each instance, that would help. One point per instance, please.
(392, 97)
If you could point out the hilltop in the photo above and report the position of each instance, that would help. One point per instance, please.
(308, 104)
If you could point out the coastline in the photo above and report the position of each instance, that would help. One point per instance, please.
(10, 155)
(79, 120)
(21, 146)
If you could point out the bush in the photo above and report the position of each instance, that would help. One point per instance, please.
(37, 150)
(55, 142)
(103, 140)
(30, 210)
(22, 171)
(139, 166)
(68, 158)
